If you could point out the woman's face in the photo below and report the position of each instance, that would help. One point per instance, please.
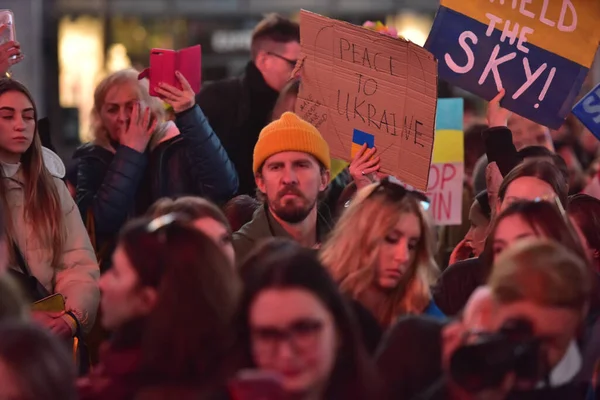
(293, 334)
(477, 233)
(17, 126)
(116, 110)
(122, 298)
(397, 251)
(527, 188)
(510, 230)
(219, 234)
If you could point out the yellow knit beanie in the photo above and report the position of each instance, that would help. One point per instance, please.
(290, 133)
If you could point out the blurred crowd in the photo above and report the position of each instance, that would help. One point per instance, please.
(207, 246)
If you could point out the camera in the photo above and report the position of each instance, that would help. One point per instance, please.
(484, 363)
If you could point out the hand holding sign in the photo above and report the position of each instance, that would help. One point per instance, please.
(496, 115)
(363, 166)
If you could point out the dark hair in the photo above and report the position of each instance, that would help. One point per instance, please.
(545, 219)
(541, 169)
(240, 210)
(484, 203)
(541, 152)
(39, 362)
(474, 146)
(585, 210)
(290, 266)
(274, 28)
(188, 333)
(191, 207)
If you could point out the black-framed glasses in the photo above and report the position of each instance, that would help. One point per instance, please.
(397, 192)
(292, 63)
(301, 335)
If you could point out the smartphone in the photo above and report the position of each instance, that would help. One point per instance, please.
(52, 303)
(7, 18)
(256, 385)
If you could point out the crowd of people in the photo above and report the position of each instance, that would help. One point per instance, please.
(221, 253)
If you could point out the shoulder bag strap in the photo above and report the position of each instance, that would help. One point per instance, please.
(20, 259)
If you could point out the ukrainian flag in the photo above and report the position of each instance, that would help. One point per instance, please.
(359, 138)
(448, 146)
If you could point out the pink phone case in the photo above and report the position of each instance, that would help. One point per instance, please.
(164, 63)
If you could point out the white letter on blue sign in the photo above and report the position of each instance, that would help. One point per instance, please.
(492, 66)
(462, 40)
(591, 108)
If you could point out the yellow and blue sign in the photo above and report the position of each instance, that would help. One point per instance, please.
(359, 138)
(588, 111)
(540, 51)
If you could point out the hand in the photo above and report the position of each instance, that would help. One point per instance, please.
(363, 166)
(180, 100)
(7, 51)
(140, 129)
(53, 321)
(461, 252)
(496, 115)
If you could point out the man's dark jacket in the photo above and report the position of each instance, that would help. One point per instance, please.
(238, 109)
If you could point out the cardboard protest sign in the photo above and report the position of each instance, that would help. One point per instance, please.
(359, 86)
(588, 111)
(540, 51)
(445, 189)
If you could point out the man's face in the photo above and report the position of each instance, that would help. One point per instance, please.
(277, 65)
(292, 181)
(527, 133)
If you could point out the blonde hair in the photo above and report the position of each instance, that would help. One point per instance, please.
(122, 78)
(542, 271)
(351, 253)
(42, 205)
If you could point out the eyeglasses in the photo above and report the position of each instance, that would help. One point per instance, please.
(398, 192)
(301, 335)
(292, 63)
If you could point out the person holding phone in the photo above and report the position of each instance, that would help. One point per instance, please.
(45, 237)
(10, 49)
(137, 157)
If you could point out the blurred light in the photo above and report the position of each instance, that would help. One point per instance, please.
(230, 41)
(411, 26)
(80, 60)
(139, 33)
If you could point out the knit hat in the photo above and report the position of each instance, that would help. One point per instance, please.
(290, 133)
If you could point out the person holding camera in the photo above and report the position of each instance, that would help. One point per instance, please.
(516, 338)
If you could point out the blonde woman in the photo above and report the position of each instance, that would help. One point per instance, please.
(45, 236)
(381, 252)
(138, 157)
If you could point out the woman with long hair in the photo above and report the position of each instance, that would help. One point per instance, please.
(381, 252)
(138, 157)
(169, 298)
(294, 322)
(519, 220)
(46, 238)
(534, 179)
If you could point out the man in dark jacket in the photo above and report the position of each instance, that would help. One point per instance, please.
(238, 108)
(291, 165)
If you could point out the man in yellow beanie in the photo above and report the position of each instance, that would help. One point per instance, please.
(291, 168)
